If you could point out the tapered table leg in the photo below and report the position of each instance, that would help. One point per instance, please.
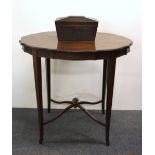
(38, 87)
(104, 85)
(48, 82)
(110, 83)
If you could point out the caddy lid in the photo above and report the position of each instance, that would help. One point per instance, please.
(81, 20)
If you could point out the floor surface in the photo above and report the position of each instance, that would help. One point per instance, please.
(76, 134)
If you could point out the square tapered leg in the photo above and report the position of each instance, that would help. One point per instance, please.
(48, 82)
(110, 83)
(38, 87)
(104, 85)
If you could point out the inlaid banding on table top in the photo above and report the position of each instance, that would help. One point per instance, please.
(49, 41)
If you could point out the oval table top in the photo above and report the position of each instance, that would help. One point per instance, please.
(105, 44)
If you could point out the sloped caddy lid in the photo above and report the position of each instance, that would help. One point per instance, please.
(74, 20)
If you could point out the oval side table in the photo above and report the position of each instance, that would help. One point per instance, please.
(107, 47)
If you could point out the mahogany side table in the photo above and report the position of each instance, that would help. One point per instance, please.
(107, 47)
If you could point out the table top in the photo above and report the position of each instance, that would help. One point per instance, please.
(105, 43)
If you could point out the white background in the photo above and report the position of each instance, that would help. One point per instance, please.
(78, 79)
(148, 76)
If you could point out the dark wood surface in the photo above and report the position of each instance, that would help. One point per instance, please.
(38, 87)
(104, 85)
(110, 84)
(74, 20)
(76, 28)
(48, 82)
(105, 46)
